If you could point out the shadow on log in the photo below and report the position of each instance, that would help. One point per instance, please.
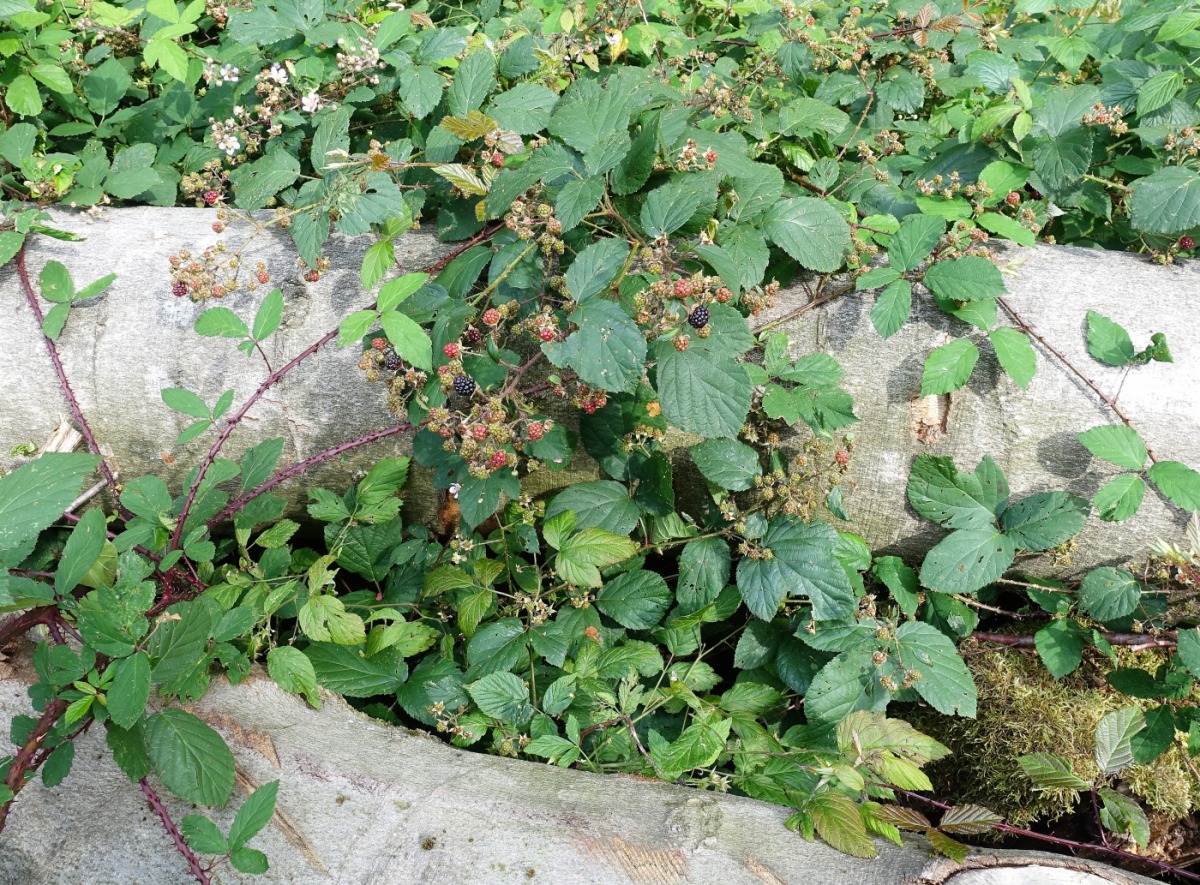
(123, 347)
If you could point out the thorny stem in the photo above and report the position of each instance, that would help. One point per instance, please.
(302, 466)
(1069, 844)
(804, 308)
(1138, 641)
(1109, 401)
(272, 379)
(193, 862)
(25, 760)
(63, 383)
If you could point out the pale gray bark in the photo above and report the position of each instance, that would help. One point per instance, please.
(121, 349)
(362, 802)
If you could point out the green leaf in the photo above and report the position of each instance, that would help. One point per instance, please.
(269, 316)
(1108, 341)
(34, 495)
(892, 307)
(524, 109)
(256, 183)
(1180, 483)
(967, 560)
(698, 746)
(81, 551)
(1158, 91)
(293, 671)
(249, 860)
(55, 282)
(256, 812)
(938, 491)
(587, 114)
(1189, 649)
(1051, 772)
(375, 264)
(409, 339)
(1168, 202)
(838, 822)
(178, 645)
(703, 571)
(1061, 161)
(603, 503)
(576, 200)
(1114, 739)
(1015, 353)
(53, 77)
(1108, 594)
(948, 367)
(170, 57)
(965, 279)
(1122, 814)
(727, 463)
(345, 671)
(1047, 519)
(1116, 444)
(503, 696)
(130, 690)
(581, 556)
(22, 96)
(669, 207)
(202, 835)
(701, 393)
(474, 79)
(219, 322)
(420, 90)
(636, 599)
(185, 401)
(355, 326)
(801, 563)
(607, 351)
(595, 267)
(945, 683)
(1060, 646)
(969, 820)
(914, 241)
(395, 292)
(190, 758)
(1120, 497)
(810, 230)
(324, 618)
(1009, 228)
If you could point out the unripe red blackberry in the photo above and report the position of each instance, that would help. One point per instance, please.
(681, 343)
(842, 457)
(211, 197)
(491, 316)
(1013, 198)
(698, 318)
(264, 277)
(451, 350)
(683, 288)
(479, 431)
(546, 334)
(724, 295)
(392, 361)
(1187, 243)
(179, 289)
(312, 276)
(464, 385)
(379, 343)
(498, 460)
(535, 431)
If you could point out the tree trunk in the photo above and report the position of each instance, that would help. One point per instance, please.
(360, 801)
(122, 348)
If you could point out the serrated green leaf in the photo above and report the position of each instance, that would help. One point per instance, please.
(410, 340)
(839, 823)
(1108, 341)
(964, 279)
(892, 307)
(130, 690)
(914, 241)
(1114, 739)
(801, 563)
(1015, 353)
(1060, 646)
(1051, 772)
(608, 350)
(727, 463)
(503, 696)
(582, 555)
(637, 599)
(293, 672)
(220, 322)
(255, 813)
(190, 758)
(938, 491)
(1047, 519)
(1116, 444)
(811, 231)
(701, 393)
(1119, 498)
(1180, 483)
(967, 560)
(1108, 594)
(344, 670)
(947, 368)
(185, 401)
(945, 682)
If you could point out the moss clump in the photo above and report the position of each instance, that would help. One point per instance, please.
(1022, 710)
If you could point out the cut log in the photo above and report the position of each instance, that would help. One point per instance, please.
(122, 348)
(360, 801)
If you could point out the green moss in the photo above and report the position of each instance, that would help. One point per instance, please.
(1022, 709)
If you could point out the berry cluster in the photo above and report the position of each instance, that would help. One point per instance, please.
(212, 274)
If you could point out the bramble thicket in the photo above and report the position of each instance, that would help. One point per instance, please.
(626, 186)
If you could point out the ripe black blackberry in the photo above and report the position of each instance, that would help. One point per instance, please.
(464, 385)
(698, 318)
(392, 361)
